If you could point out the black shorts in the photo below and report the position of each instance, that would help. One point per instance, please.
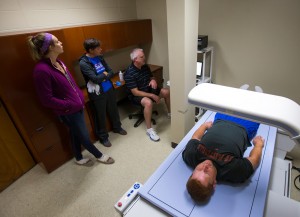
(137, 99)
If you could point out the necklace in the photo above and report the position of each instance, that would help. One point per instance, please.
(59, 67)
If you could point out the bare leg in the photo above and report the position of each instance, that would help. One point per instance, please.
(165, 93)
(147, 104)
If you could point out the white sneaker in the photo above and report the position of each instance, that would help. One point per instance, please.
(258, 89)
(244, 86)
(153, 135)
(169, 116)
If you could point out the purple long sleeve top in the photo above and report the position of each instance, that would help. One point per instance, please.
(55, 90)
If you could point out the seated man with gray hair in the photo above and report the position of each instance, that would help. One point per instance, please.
(144, 90)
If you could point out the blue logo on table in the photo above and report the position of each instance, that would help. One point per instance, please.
(136, 186)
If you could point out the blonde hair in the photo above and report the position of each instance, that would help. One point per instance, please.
(39, 45)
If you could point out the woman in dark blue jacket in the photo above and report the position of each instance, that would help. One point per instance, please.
(97, 74)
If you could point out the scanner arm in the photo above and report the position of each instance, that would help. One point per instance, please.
(265, 108)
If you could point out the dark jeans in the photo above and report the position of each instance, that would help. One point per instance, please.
(79, 134)
(105, 103)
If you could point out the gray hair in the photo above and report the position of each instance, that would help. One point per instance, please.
(133, 53)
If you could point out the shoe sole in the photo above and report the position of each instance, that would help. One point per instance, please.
(123, 134)
(87, 164)
(110, 160)
(106, 145)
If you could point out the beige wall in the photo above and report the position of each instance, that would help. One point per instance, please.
(256, 42)
(20, 15)
(182, 42)
(158, 51)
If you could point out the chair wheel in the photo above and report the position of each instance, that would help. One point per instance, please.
(155, 112)
(130, 116)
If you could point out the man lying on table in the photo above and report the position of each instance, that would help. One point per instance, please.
(216, 153)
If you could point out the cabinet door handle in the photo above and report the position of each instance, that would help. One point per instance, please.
(39, 129)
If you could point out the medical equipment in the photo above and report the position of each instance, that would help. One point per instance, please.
(256, 197)
(169, 182)
(128, 197)
(265, 108)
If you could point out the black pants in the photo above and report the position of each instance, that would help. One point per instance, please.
(105, 103)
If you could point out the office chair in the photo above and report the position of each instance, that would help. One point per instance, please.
(140, 116)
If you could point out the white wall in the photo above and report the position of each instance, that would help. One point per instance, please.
(256, 42)
(24, 16)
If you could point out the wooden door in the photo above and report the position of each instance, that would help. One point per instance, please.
(19, 97)
(15, 158)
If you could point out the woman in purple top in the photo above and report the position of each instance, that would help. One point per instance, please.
(58, 91)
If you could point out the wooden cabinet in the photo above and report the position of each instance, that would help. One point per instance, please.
(157, 72)
(15, 158)
(73, 46)
(19, 96)
(114, 36)
(45, 136)
(52, 144)
(102, 33)
(140, 32)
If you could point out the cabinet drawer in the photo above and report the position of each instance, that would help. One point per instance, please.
(45, 137)
(52, 142)
(55, 155)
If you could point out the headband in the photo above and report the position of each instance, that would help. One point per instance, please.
(46, 43)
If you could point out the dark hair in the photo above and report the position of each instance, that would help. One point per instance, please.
(198, 191)
(91, 43)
